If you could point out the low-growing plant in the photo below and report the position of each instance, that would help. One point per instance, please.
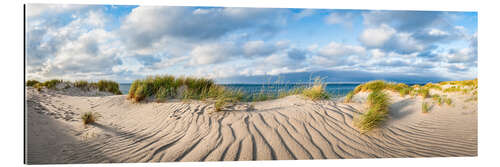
(316, 91)
(109, 86)
(424, 92)
(432, 86)
(448, 101)
(425, 107)
(31, 83)
(378, 103)
(38, 86)
(84, 85)
(90, 117)
(51, 84)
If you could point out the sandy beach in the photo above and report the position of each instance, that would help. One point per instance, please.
(283, 129)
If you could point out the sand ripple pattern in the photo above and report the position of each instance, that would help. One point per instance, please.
(284, 129)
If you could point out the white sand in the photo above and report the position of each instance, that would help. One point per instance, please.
(288, 128)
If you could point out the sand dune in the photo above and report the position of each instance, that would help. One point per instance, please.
(282, 129)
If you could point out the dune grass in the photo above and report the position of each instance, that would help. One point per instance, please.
(109, 86)
(90, 117)
(316, 91)
(348, 97)
(378, 109)
(32, 83)
(51, 84)
(448, 101)
(102, 85)
(425, 107)
(433, 86)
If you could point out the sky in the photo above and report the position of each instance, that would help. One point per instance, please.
(124, 43)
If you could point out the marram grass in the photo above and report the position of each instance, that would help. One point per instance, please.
(102, 85)
(378, 108)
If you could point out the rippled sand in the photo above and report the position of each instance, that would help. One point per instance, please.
(283, 129)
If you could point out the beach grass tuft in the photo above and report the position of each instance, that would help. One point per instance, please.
(448, 101)
(425, 107)
(90, 117)
(32, 83)
(316, 91)
(378, 103)
(51, 84)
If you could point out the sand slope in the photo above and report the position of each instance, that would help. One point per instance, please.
(288, 128)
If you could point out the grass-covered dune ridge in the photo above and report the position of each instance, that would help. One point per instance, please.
(163, 87)
(378, 101)
(101, 85)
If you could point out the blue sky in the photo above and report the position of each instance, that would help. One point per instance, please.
(123, 43)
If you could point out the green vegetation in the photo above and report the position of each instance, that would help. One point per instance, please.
(38, 86)
(167, 86)
(433, 86)
(31, 83)
(447, 101)
(424, 92)
(102, 85)
(51, 84)
(378, 103)
(425, 107)
(349, 96)
(90, 117)
(316, 91)
(109, 86)
(84, 85)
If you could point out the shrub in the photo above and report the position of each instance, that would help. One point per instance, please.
(423, 92)
(433, 86)
(425, 107)
(405, 91)
(219, 104)
(31, 83)
(84, 85)
(378, 109)
(448, 101)
(90, 117)
(38, 86)
(371, 86)
(51, 84)
(317, 91)
(109, 86)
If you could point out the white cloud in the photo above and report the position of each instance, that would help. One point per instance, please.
(377, 37)
(336, 50)
(437, 32)
(33, 10)
(340, 18)
(212, 53)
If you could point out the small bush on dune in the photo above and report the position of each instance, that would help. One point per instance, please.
(31, 83)
(423, 92)
(405, 91)
(90, 117)
(38, 86)
(317, 91)
(425, 107)
(448, 101)
(51, 84)
(371, 86)
(84, 85)
(378, 109)
(109, 86)
(432, 86)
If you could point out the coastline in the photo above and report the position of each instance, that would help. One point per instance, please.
(283, 129)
